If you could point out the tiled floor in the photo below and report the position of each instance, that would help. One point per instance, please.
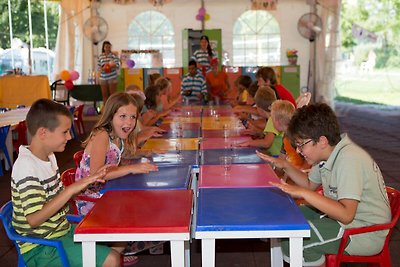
(375, 130)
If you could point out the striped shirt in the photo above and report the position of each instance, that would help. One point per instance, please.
(104, 59)
(35, 182)
(201, 57)
(196, 85)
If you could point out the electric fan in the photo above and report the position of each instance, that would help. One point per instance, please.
(95, 29)
(309, 26)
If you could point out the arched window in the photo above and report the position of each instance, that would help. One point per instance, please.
(151, 30)
(256, 39)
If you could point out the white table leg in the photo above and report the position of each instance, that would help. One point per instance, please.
(187, 253)
(177, 253)
(208, 252)
(296, 251)
(276, 253)
(88, 254)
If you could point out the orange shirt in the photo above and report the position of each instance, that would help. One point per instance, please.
(217, 83)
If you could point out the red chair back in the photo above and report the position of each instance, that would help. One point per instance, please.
(78, 119)
(22, 139)
(383, 258)
(78, 157)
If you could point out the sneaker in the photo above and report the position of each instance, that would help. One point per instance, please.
(157, 250)
(129, 260)
(139, 246)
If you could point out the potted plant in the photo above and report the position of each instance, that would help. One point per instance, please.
(292, 56)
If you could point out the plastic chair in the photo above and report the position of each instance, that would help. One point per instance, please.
(78, 157)
(6, 217)
(21, 130)
(3, 146)
(303, 99)
(78, 119)
(382, 258)
(59, 92)
(68, 178)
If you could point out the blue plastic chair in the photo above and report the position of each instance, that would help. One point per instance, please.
(3, 136)
(73, 130)
(6, 217)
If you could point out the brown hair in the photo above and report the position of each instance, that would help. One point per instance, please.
(44, 113)
(113, 103)
(267, 74)
(153, 77)
(264, 97)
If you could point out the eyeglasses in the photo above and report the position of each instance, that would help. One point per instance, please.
(300, 146)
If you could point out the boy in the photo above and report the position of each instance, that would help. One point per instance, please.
(354, 190)
(281, 112)
(266, 77)
(39, 201)
(193, 87)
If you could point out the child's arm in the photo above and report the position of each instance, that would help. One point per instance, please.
(266, 142)
(148, 132)
(53, 206)
(342, 210)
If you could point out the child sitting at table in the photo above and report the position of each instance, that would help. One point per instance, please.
(281, 112)
(167, 100)
(40, 202)
(110, 137)
(152, 111)
(241, 83)
(354, 193)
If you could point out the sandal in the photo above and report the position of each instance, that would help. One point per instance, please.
(129, 260)
(139, 246)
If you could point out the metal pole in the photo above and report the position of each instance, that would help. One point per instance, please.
(11, 34)
(47, 36)
(203, 21)
(31, 66)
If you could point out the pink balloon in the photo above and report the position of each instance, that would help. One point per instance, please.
(202, 11)
(74, 75)
(69, 84)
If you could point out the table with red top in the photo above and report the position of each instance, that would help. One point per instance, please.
(160, 215)
(238, 176)
(222, 142)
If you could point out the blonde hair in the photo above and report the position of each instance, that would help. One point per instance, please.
(132, 87)
(163, 83)
(282, 111)
(113, 103)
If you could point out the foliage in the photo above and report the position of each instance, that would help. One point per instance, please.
(380, 17)
(20, 23)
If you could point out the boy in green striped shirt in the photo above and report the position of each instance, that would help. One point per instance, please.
(40, 202)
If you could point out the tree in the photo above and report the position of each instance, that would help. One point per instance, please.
(20, 23)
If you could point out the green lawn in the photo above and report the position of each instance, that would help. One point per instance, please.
(379, 86)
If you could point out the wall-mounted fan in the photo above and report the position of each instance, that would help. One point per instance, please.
(95, 29)
(309, 26)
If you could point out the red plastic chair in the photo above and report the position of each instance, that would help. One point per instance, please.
(68, 178)
(383, 258)
(78, 119)
(21, 130)
(78, 157)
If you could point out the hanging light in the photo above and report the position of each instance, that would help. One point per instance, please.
(159, 2)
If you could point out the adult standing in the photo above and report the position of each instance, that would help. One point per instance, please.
(204, 55)
(108, 64)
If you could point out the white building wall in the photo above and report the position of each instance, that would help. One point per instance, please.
(223, 14)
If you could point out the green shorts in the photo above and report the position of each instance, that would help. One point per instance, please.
(325, 238)
(48, 256)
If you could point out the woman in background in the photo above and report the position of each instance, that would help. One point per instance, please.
(204, 55)
(108, 64)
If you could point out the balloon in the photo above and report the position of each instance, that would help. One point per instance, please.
(130, 63)
(199, 17)
(107, 68)
(202, 11)
(64, 75)
(207, 17)
(74, 75)
(69, 84)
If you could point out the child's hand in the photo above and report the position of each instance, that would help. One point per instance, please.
(83, 183)
(244, 144)
(275, 162)
(143, 168)
(293, 190)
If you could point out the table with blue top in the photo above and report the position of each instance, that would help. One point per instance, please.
(233, 213)
(239, 155)
(168, 177)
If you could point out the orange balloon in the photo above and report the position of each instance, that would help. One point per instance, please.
(64, 75)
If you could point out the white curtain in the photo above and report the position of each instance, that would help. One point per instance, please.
(70, 40)
(327, 51)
